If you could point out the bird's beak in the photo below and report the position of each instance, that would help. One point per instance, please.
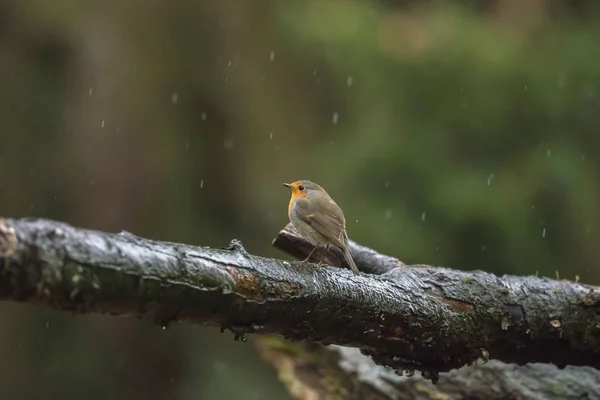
(287, 185)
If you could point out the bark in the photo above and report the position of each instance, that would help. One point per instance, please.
(407, 317)
(311, 371)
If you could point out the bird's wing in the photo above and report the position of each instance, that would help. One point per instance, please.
(326, 222)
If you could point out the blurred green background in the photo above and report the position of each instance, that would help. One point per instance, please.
(462, 134)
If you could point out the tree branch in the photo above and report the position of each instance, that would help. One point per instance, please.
(303, 367)
(424, 318)
(449, 318)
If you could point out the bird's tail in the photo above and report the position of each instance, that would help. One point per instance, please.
(349, 260)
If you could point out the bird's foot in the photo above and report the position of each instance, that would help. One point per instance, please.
(310, 254)
(323, 256)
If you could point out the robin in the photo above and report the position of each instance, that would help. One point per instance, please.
(318, 219)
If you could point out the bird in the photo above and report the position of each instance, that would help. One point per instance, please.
(318, 219)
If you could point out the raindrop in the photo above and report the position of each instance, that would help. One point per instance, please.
(349, 81)
(388, 214)
(201, 183)
(102, 125)
(482, 248)
(174, 97)
(272, 55)
(582, 158)
(203, 116)
(357, 222)
(548, 152)
(187, 145)
(228, 143)
(91, 91)
(544, 233)
(164, 328)
(335, 118)
(525, 87)
(532, 206)
(229, 63)
(387, 184)
(423, 215)
(47, 324)
(489, 180)
(270, 135)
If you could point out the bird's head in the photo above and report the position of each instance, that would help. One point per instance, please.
(304, 189)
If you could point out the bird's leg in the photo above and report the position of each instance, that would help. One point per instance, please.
(310, 254)
(323, 255)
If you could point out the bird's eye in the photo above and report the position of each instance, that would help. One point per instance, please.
(300, 187)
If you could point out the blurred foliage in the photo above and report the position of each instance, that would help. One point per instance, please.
(462, 134)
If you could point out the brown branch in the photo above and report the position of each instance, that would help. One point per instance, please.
(448, 318)
(424, 318)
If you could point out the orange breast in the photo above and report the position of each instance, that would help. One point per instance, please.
(296, 196)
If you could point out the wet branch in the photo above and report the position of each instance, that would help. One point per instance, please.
(449, 318)
(409, 317)
(360, 378)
